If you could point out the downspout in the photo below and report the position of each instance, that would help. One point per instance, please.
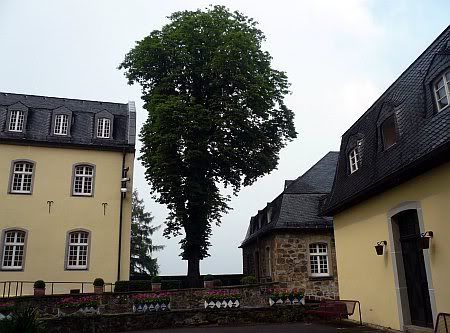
(122, 196)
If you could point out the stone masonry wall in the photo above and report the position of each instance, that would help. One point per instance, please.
(264, 249)
(292, 264)
(284, 258)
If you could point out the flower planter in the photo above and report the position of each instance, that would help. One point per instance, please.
(39, 291)
(222, 303)
(84, 310)
(5, 314)
(286, 300)
(98, 289)
(156, 286)
(151, 306)
(208, 284)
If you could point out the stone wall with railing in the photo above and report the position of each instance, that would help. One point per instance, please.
(250, 296)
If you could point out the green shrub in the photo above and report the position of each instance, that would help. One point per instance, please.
(39, 284)
(137, 285)
(208, 277)
(98, 282)
(23, 320)
(171, 284)
(217, 283)
(250, 279)
(156, 279)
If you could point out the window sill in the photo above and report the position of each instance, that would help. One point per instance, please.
(11, 269)
(82, 195)
(20, 193)
(321, 278)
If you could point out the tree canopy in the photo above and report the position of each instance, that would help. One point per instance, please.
(216, 115)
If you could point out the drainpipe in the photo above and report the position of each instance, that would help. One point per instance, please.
(122, 196)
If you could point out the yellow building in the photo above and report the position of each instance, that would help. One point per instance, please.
(65, 191)
(392, 190)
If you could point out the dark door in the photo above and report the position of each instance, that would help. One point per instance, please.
(415, 273)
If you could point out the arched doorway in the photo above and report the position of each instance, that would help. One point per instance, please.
(412, 277)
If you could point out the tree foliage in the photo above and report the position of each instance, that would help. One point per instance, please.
(216, 115)
(141, 261)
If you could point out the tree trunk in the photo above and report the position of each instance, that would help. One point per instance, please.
(193, 274)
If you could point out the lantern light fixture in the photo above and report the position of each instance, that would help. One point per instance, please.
(379, 248)
(424, 240)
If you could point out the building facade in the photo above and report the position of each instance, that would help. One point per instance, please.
(392, 190)
(289, 242)
(66, 171)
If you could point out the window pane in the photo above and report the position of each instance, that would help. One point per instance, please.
(22, 177)
(78, 250)
(388, 131)
(443, 103)
(16, 121)
(13, 249)
(439, 84)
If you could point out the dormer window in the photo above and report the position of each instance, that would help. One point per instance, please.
(355, 157)
(16, 121)
(104, 128)
(61, 124)
(388, 132)
(442, 91)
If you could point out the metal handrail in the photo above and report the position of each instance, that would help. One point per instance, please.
(446, 318)
(15, 288)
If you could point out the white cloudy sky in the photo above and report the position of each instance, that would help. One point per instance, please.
(339, 56)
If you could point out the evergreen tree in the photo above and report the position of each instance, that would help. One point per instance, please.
(142, 246)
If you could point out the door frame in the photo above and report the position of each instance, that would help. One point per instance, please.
(398, 267)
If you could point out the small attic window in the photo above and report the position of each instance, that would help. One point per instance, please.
(355, 157)
(442, 91)
(269, 215)
(388, 132)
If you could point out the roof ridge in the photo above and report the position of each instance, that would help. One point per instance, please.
(61, 98)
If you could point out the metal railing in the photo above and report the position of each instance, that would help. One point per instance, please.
(16, 288)
(442, 323)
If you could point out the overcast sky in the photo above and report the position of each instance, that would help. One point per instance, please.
(339, 56)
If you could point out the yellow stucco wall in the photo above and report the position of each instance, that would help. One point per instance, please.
(370, 278)
(47, 232)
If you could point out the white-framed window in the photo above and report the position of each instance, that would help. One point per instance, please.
(22, 177)
(13, 250)
(104, 128)
(77, 250)
(61, 124)
(355, 157)
(83, 180)
(16, 121)
(442, 91)
(318, 259)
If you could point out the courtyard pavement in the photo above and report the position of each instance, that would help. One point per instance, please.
(273, 328)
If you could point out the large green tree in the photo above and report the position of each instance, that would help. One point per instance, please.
(142, 248)
(216, 116)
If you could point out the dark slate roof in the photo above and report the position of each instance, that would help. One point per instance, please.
(423, 134)
(38, 124)
(298, 206)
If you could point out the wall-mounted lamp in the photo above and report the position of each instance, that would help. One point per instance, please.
(123, 181)
(380, 247)
(424, 240)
